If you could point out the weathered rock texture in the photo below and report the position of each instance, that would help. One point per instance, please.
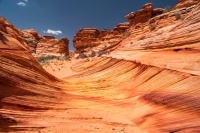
(51, 46)
(148, 84)
(7, 28)
(31, 38)
(185, 3)
(44, 45)
(143, 15)
(91, 37)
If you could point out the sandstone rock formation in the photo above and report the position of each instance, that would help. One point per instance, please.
(149, 83)
(44, 45)
(31, 38)
(51, 46)
(185, 3)
(7, 28)
(143, 15)
(63, 46)
(91, 37)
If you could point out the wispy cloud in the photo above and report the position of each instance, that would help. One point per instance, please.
(26, 0)
(21, 4)
(55, 32)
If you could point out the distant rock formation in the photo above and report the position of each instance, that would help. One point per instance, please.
(51, 46)
(44, 45)
(144, 20)
(63, 46)
(143, 15)
(31, 38)
(91, 37)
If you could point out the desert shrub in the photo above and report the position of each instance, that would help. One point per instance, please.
(67, 57)
(182, 19)
(44, 59)
(177, 15)
(34, 42)
(26, 40)
(152, 26)
(93, 54)
(105, 46)
(81, 56)
(167, 9)
(64, 58)
(177, 49)
(102, 53)
(128, 34)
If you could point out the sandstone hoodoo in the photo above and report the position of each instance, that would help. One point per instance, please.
(63, 46)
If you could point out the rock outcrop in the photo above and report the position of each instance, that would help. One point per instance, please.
(22, 80)
(44, 45)
(31, 38)
(149, 83)
(91, 37)
(63, 46)
(7, 28)
(143, 15)
(51, 46)
(185, 3)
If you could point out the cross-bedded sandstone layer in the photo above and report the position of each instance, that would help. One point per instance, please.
(148, 84)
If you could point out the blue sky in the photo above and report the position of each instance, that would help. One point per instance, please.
(62, 18)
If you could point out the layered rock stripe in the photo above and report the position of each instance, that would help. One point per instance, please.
(149, 85)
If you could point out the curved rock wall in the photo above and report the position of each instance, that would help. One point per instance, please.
(148, 86)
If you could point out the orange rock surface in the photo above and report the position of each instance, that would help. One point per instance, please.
(51, 46)
(91, 37)
(44, 45)
(149, 83)
(185, 3)
(31, 38)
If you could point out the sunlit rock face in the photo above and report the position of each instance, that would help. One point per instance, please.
(185, 3)
(155, 78)
(91, 37)
(44, 45)
(149, 83)
(141, 16)
(24, 85)
(51, 46)
(31, 38)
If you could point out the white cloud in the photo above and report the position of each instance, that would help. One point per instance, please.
(21, 4)
(26, 0)
(53, 32)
